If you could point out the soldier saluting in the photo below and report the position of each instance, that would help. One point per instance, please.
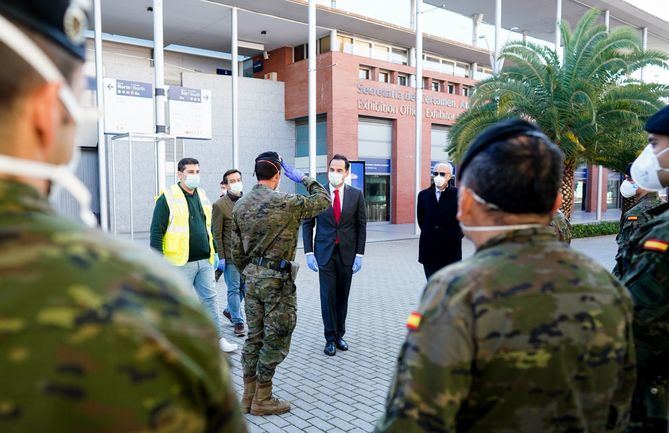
(266, 223)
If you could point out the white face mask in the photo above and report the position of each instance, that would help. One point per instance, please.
(236, 188)
(439, 181)
(645, 169)
(335, 178)
(60, 176)
(628, 189)
(192, 181)
(506, 228)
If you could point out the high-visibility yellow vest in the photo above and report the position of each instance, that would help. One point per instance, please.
(175, 241)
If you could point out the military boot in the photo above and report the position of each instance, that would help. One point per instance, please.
(249, 392)
(266, 404)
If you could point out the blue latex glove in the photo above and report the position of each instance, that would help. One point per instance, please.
(221, 265)
(357, 264)
(312, 263)
(291, 172)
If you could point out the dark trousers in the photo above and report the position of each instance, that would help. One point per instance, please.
(335, 280)
(431, 268)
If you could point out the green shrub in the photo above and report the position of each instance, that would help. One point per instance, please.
(595, 229)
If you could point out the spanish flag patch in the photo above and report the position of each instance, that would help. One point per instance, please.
(632, 218)
(656, 245)
(413, 322)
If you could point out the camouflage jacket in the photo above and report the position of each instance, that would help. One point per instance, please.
(634, 218)
(525, 336)
(648, 282)
(562, 227)
(99, 336)
(266, 222)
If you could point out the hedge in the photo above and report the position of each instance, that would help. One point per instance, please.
(602, 228)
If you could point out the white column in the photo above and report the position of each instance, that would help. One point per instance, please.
(644, 47)
(334, 42)
(600, 172)
(498, 35)
(413, 13)
(235, 89)
(102, 144)
(159, 80)
(419, 109)
(607, 19)
(312, 88)
(558, 20)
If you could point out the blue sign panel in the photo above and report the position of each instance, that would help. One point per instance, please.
(377, 166)
(184, 94)
(357, 175)
(134, 88)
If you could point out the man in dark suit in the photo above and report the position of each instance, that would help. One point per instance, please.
(337, 251)
(440, 237)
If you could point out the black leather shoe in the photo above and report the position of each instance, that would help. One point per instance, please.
(329, 349)
(341, 345)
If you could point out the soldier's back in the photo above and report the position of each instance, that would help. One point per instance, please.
(99, 336)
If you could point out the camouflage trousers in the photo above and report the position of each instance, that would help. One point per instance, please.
(271, 315)
(649, 407)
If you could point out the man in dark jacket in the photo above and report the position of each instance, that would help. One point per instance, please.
(440, 238)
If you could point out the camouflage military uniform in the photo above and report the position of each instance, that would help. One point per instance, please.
(525, 336)
(631, 221)
(647, 279)
(562, 227)
(97, 336)
(266, 224)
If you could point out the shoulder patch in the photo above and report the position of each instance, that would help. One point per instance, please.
(413, 322)
(656, 245)
(632, 218)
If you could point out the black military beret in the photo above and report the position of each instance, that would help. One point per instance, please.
(62, 21)
(658, 123)
(499, 132)
(272, 157)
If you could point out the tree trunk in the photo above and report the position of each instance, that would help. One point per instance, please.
(567, 187)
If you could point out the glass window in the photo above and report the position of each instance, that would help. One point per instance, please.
(299, 53)
(483, 73)
(345, 44)
(399, 56)
(363, 73)
(447, 67)
(451, 88)
(432, 63)
(324, 45)
(466, 90)
(461, 69)
(363, 48)
(302, 137)
(384, 76)
(402, 80)
(381, 52)
(436, 85)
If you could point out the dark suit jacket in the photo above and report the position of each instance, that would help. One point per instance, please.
(440, 236)
(352, 229)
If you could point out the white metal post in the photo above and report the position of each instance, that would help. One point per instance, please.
(413, 13)
(102, 144)
(159, 79)
(600, 172)
(644, 47)
(419, 109)
(607, 19)
(312, 88)
(558, 20)
(235, 89)
(498, 36)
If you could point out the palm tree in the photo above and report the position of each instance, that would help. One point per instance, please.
(586, 103)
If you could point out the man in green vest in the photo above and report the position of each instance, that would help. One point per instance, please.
(181, 231)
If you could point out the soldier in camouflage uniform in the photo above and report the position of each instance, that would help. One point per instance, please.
(562, 227)
(638, 215)
(527, 335)
(95, 335)
(647, 278)
(266, 224)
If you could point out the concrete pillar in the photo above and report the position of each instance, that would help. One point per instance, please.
(334, 43)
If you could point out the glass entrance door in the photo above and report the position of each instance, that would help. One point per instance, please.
(377, 197)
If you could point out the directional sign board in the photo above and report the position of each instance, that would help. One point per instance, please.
(189, 112)
(128, 107)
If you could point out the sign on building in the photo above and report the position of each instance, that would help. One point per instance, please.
(189, 113)
(128, 107)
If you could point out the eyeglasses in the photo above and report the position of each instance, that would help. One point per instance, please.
(440, 173)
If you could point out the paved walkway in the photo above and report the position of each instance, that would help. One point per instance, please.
(346, 393)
